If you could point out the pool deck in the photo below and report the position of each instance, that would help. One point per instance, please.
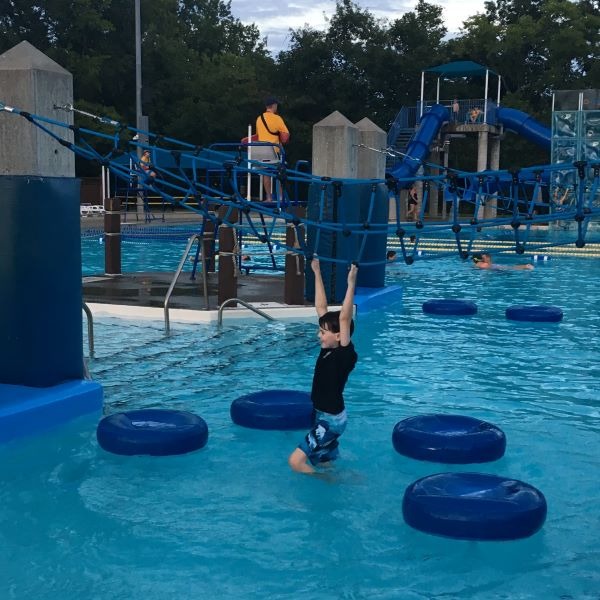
(142, 296)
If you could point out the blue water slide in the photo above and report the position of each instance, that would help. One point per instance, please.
(525, 125)
(418, 148)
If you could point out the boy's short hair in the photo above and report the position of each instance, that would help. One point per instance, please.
(478, 257)
(330, 321)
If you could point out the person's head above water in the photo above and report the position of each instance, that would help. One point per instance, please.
(481, 257)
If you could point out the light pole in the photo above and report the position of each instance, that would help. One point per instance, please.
(138, 65)
(139, 208)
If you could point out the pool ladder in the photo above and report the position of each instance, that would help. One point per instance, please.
(197, 237)
(246, 305)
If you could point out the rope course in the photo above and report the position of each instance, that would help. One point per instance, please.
(521, 198)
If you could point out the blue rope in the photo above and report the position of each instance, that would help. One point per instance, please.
(182, 185)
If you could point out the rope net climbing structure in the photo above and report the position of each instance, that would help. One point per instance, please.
(179, 173)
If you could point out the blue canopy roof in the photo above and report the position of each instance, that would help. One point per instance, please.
(460, 68)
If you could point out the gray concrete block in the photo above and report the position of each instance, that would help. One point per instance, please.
(335, 141)
(32, 82)
(371, 163)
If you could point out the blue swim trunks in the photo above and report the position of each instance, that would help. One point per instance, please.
(321, 442)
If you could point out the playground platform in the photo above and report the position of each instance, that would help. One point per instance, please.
(150, 290)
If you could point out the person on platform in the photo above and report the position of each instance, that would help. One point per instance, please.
(455, 110)
(271, 128)
(412, 205)
(146, 164)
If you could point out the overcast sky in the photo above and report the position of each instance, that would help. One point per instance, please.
(275, 18)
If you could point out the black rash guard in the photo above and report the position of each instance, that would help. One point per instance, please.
(331, 373)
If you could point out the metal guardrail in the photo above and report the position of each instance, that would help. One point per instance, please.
(195, 238)
(245, 304)
(90, 326)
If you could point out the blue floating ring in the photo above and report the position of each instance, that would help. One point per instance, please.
(273, 409)
(450, 307)
(539, 314)
(153, 431)
(474, 506)
(452, 439)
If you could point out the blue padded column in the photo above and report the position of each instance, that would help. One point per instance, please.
(40, 269)
(376, 245)
(351, 207)
(332, 244)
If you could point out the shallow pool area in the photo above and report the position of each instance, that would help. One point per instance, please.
(232, 521)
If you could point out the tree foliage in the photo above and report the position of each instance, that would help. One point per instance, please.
(205, 73)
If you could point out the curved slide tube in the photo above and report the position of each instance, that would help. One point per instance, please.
(525, 125)
(418, 149)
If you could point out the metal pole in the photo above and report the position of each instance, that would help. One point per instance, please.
(138, 66)
(249, 166)
(485, 97)
(138, 92)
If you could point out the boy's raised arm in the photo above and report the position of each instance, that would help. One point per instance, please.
(320, 296)
(348, 307)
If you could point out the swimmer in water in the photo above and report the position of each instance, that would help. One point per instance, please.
(484, 261)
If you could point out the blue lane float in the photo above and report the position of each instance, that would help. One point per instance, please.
(450, 307)
(273, 409)
(538, 314)
(474, 506)
(452, 439)
(155, 432)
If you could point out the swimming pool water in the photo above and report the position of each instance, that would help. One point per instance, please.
(161, 248)
(152, 255)
(231, 520)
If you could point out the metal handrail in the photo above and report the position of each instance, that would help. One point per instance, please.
(90, 325)
(194, 238)
(246, 304)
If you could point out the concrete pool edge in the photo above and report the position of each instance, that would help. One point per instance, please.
(183, 315)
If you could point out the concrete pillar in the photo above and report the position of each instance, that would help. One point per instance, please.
(293, 291)
(208, 245)
(491, 207)
(370, 163)
(482, 159)
(228, 272)
(112, 235)
(334, 151)
(32, 82)
(435, 158)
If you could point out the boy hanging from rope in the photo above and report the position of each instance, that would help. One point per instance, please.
(335, 362)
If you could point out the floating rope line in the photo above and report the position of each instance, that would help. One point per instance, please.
(518, 196)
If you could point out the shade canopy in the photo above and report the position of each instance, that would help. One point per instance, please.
(460, 68)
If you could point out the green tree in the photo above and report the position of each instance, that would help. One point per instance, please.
(538, 47)
(201, 66)
(360, 66)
